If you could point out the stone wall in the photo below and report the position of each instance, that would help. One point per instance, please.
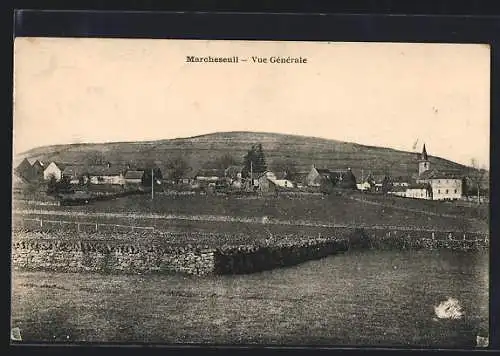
(105, 257)
(248, 259)
(77, 254)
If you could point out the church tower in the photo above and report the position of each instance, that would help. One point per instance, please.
(423, 162)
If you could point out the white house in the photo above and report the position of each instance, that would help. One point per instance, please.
(363, 186)
(53, 170)
(418, 191)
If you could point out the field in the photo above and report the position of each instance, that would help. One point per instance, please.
(369, 298)
(243, 215)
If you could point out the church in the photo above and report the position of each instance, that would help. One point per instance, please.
(444, 186)
(432, 184)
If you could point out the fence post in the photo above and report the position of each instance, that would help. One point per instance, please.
(95, 227)
(464, 237)
(41, 222)
(78, 226)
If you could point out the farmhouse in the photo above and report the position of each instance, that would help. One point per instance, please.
(38, 168)
(24, 170)
(364, 186)
(401, 182)
(317, 175)
(210, 175)
(134, 177)
(342, 178)
(74, 174)
(105, 174)
(53, 170)
(416, 191)
(266, 184)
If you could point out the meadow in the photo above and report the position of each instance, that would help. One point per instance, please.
(233, 214)
(370, 298)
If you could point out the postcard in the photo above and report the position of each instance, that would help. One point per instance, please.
(198, 192)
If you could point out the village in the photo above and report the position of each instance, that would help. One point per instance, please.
(80, 182)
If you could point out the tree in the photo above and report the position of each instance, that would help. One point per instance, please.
(64, 185)
(477, 176)
(221, 162)
(179, 167)
(52, 185)
(146, 178)
(326, 186)
(386, 184)
(255, 160)
(288, 167)
(96, 158)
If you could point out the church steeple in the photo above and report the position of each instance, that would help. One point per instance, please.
(424, 154)
(423, 163)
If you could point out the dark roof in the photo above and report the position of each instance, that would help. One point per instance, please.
(93, 170)
(435, 174)
(134, 174)
(417, 186)
(38, 163)
(323, 170)
(401, 179)
(24, 167)
(398, 189)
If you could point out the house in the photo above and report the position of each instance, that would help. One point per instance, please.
(53, 170)
(415, 191)
(398, 191)
(38, 168)
(300, 179)
(317, 175)
(266, 185)
(277, 179)
(364, 186)
(418, 191)
(342, 178)
(105, 174)
(210, 175)
(443, 185)
(25, 170)
(401, 181)
(134, 177)
(74, 173)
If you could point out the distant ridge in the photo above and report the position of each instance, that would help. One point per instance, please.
(196, 150)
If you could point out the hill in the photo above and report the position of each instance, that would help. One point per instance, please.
(303, 151)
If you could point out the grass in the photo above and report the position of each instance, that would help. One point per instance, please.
(457, 208)
(208, 213)
(382, 298)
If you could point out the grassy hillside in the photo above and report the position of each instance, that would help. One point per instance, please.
(303, 151)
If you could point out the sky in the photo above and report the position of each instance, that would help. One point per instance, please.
(69, 90)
